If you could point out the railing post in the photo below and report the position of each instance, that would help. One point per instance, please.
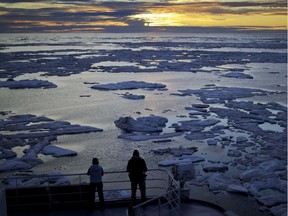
(3, 206)
(179, 200)
(159, 206)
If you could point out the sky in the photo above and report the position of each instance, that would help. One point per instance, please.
(20, 16)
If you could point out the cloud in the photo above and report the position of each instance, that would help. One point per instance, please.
(49, 15)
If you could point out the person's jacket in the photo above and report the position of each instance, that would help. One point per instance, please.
(136, 167)
(95, 172)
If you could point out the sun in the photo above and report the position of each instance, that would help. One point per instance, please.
(157, 19)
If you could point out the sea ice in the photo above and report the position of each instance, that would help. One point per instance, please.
(14, 164)
(57, 151)
(13, 84)
(269, 191)
(6, 153)
(142, 124)
(212, 142)
(36, 133)
(143, 137)
(177, 152)
(29, 179)
(221, 94)
(264, 176)
(133, 96)
(266, 169)
(220, 182)
(180, 160)
(237, 189)
(128, 85)
(237, 75)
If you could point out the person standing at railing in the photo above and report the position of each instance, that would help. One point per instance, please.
(137, 174)
(96, 172)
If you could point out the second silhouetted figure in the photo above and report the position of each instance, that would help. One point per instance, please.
(137, 173)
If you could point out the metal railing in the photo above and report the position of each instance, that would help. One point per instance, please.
(160, 186)
(167, 203)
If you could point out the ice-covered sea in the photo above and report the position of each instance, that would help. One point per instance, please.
(219, 100)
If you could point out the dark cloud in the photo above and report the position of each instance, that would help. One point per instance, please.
(79, 13)
(254, 4)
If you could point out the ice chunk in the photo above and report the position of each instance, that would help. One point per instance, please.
(133, 96)
(57, 151)
(14, 164)
(238, 75)
(142, 124)
(128, 85)
(27, 84)
(237, 189)
(220, 182)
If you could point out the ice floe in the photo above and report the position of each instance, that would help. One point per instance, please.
(219, 182)
(21, 84)
(36, 133)
(133, 96)
(238, 75)
(218, 94)
(190, 159)
(143, 137)
(128, 85)
(29, 179)
(57, 151)
(142, 124)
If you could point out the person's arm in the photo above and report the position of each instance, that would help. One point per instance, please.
(88, 172)
(144, 166)
(102, 171)
(128, 167)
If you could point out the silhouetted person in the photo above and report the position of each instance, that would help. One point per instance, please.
(96, 172)
(137, 173)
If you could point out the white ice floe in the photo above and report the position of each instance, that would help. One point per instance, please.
(128, 85)
(238, 75)
(14, 164)
(215, 94)
(193, 159)
(143, 137)
(133, 96)
(220, 182)
(265, 169)
(277, 191)
(57, 151)
(142, 124)
(13, 84)
(6, 153)
(237, 189)
(234, 153)
(212, 141)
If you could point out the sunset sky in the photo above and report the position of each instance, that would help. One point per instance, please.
(108, 15)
